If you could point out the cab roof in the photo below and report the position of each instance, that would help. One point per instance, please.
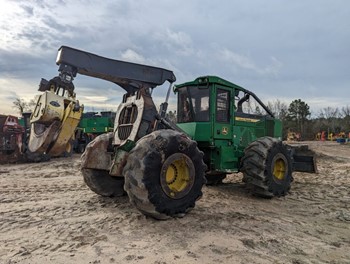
(210, 79)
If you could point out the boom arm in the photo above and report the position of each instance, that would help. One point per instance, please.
(130, 76)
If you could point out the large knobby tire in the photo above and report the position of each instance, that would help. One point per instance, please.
(164, 174)
(215, 179)
(267, 168)
(100, 182)
(81, 148)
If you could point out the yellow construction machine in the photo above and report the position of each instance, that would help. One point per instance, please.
(55, 117)
(49, 130)
(293, 136)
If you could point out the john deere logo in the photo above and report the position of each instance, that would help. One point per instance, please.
(54, 103)
(224, 131)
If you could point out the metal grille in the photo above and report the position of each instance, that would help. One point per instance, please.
(126, 120)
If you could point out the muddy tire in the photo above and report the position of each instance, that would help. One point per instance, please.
(100, 182)
(81, 148)
(164, 174)
(95, 163)
(267, 168)
(215, 179)
(36, 157)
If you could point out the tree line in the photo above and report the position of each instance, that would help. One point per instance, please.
(21, 106)
(297, 118)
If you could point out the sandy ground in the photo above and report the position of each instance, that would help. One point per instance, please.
(48, 215)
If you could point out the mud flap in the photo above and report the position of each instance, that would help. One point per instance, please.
(303, 158)
(96, 155)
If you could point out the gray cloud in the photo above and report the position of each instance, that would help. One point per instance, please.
(278, 49)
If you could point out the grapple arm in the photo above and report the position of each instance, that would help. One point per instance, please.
(130, 76)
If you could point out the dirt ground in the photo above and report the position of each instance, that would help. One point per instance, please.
(48, 215)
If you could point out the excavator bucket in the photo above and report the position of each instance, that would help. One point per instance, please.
(304, 159)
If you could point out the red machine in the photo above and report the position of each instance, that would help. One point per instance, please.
(11, 137)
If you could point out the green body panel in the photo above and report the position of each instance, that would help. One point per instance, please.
(222, 137)
(21, 121)
(198, 131)
(120, 155)
(91, 126)
(96, 124)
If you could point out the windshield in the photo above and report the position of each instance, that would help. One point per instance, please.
(193, 104)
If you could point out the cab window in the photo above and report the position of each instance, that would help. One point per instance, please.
(222, 106)
(193, 104)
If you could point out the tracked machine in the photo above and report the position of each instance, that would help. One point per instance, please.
(162, 166)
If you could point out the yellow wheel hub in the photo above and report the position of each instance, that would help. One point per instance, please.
(279, 168)
(177, 175)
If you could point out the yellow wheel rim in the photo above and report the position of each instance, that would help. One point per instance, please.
(279, 167)
(177, 175)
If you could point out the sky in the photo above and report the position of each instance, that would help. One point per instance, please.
(279, 49)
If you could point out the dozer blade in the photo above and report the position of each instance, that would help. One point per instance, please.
(304, 159)
(41, 136)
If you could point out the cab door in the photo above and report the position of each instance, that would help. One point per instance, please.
(223, 158)
(222, 119)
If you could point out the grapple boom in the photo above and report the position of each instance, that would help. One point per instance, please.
(130, 76)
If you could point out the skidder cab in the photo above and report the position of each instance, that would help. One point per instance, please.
(237, 132)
